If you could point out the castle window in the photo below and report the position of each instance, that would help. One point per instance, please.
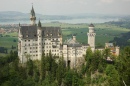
(35, 35)
(25, 40)
(29, 40)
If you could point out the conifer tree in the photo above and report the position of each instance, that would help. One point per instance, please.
(43, 69)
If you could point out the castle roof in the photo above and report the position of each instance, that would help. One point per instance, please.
(53, 32)
(91, 25)
(72, 43)
(30, 32)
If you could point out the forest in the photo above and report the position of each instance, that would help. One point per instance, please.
(95, 71)
(123, 40)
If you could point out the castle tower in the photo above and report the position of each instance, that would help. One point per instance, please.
(117, 51)
(91, 36)
(32, 17)
(39, 35)
(74, 37)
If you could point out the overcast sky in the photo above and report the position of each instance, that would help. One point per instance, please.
(63, 7)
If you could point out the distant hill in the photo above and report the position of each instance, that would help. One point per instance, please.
(14, 16)
(123, 22)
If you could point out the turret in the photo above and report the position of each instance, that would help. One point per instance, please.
(74, 37)
(91, 36)
(39, 34)
(32, 17)
(39, 24)
(91, 28)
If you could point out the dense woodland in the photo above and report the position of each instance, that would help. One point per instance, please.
(124, 40)
(96, 70)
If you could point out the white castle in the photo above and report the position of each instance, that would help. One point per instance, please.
(34, 39)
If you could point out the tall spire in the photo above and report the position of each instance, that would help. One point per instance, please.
(33, 18)
(32, 11)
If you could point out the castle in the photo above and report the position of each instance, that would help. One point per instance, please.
(34, 39)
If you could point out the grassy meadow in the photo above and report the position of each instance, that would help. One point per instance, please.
(7, 41)
(104, 33)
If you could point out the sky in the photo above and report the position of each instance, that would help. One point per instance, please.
(66, 7)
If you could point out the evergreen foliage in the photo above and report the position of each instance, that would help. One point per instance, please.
(53, 72)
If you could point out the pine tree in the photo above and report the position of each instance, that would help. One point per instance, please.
(60, 71)
(43, 69)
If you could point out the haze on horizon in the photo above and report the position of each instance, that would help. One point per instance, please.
(67, 7)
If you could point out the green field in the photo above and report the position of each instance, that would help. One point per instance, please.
(104, 33)
(8, 41)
